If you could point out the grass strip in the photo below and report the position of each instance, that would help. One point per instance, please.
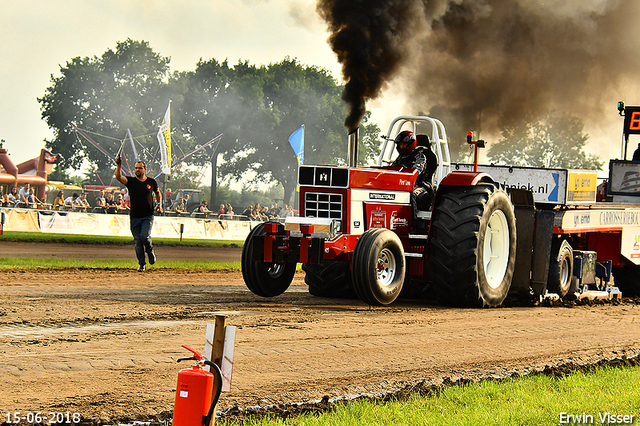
(602, 396)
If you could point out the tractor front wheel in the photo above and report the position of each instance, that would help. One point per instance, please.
(266, 279)
(378, 267)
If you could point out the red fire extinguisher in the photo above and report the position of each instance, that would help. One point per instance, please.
(195, 399)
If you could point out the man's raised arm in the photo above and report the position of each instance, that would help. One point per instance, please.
(123, 179)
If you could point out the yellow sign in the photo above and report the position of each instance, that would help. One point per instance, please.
(581, 186)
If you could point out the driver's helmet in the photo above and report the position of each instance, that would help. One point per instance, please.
(406, 136)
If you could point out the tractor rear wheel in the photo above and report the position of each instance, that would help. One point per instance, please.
(378, 267)
(330, 278)
(472, 246)
(560, 268)
(266, 279)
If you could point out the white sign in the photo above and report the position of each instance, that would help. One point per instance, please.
(226, 367)
(547, 185)
(624, 178)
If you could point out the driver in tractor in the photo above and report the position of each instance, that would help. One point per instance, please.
(422, 159)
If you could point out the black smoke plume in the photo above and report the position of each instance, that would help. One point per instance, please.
(487, 63)
(369, 37)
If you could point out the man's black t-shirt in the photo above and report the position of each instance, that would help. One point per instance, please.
(141, 196)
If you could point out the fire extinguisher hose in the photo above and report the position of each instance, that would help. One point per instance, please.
(206, 420)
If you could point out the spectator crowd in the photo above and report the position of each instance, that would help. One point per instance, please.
(24, 197)
(105, 201)
(264, 213)
(116, 202)
(254, 212)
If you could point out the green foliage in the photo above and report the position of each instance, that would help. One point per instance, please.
(59, 174)
(241, 199)
(554, 141)
(255, 108)
(265, 105)
(123, 89)
(186, 177)
(369, 142)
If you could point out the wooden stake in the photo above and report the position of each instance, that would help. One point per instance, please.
(218, 339)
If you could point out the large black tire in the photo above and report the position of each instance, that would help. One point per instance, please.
(472, 246)
(560, 268)
(378, 267)
(329, 279)
(627, 279)
(246, 258)
(262, 278)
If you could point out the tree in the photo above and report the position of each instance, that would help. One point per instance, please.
(122, 89)
(369, 142)
(553, 141)
(257, 109)
(254, 108)
(221, 99)
(294, 95)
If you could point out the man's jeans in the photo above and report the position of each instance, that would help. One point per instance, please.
(141, 230)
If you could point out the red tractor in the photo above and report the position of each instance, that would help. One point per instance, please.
(357, 233)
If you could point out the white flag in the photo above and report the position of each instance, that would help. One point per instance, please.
(164, 139)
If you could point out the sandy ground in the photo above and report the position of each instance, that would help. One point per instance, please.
(104, 343)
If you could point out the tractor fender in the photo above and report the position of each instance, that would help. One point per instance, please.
(462, 178)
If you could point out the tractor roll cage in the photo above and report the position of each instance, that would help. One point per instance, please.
(437, 138)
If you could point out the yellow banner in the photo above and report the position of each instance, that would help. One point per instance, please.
(25, 220)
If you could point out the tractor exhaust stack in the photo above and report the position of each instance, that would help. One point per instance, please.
(352, 151)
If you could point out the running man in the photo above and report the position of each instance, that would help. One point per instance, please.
(141, 195)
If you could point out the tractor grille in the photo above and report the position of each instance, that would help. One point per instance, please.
(318, 204)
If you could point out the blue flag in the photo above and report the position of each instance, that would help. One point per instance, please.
(297, 143)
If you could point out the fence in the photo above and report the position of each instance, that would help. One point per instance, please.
(45, 221)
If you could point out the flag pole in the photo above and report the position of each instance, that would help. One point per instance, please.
(296, 139)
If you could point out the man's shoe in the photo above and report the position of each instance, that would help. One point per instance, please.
(152, 257)
(142, 268)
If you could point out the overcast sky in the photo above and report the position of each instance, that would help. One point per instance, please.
(40, 35)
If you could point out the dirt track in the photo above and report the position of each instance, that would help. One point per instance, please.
(104, 343)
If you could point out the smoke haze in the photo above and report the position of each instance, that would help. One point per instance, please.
(486, 63)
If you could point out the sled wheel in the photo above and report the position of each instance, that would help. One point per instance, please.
(627, 279)
(378, 267)
(472, 246)
(560, 268)
(263, 278)
(329, 279)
